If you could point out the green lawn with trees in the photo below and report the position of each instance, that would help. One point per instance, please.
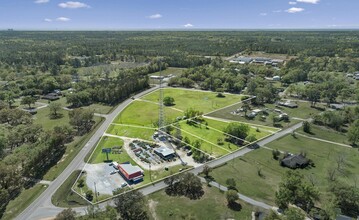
(325, 134)
(202, 101)
(258, 175)
(160, 206)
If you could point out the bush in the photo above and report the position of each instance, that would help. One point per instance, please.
(306, 127)
(276, 154)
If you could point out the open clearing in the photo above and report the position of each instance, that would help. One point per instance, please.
(245, 169)
(131, 131)
(144, 114)
(200, 100)
(326, 134)
(212, 206)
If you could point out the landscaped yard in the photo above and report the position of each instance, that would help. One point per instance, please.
(131, 132)
(199, 100)
(145, 114)
(245, 169)
(211, 206)
(27, 196)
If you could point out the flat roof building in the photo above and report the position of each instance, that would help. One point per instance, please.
(164, 152)
(131, 173)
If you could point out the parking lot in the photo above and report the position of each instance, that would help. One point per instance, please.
(100, 174)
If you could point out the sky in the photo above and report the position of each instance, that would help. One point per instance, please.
(178, 14)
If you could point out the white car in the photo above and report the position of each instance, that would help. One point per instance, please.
(123, 184)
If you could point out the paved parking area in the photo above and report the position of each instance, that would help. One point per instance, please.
(100, 174)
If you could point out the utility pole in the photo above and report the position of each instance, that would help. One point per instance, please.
(95, 191)
(161, 113)
(150, 171)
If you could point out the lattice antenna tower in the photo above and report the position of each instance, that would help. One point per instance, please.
(161, 113)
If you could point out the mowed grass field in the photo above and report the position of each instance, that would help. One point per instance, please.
(209, 136)
(303, 111)
(200, 100)
(145, 114)
(326, 134)
(262, 188)
(131, 132)
(211, 206)
(43, 117)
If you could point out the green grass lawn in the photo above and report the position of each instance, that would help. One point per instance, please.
(99, 108)
(72, 150)
(245, 169)
(131, 132)
(226, 114)
(43, 117)
(62, 101)
(199, 100)
(64, 197)
(144, 114)
(326, 134)
(26, 197)
(303, 111)
(109, 142)
(212, 205)
(170, 70)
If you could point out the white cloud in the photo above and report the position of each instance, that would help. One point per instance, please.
(73, 5)
(263, 14)
(309, 1)
(41, 1)
(294, 10)
(48, 20)
(63, 19)
(292, 3)
(188, 25)
(155, 16)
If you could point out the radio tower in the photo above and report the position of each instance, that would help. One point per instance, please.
(161, 113)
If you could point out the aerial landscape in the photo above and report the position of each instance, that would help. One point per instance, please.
(196, 110)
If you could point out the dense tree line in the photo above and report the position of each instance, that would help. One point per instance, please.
(27, 151)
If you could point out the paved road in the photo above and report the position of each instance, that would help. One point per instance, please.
(42, 206)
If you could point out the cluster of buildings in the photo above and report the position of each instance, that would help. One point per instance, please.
(256, 60)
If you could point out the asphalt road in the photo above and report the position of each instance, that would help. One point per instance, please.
(42, 206)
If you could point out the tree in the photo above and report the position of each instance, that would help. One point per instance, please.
(275, 154)
(293, 190)
(54, 107)
(168, 101)
(251, 138)
(231, 184)
(66, 214)
(191, 186)
(9, 98)
(237, 132)
(353, 132)
(206, 170)
(313, 93)
(131, 206)
(294, 214)
(272, 216)
(347, 197)
(28, 100)
(82, 119)
(306, 127)
(232, 197)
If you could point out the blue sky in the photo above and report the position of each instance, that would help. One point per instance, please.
(178, 14)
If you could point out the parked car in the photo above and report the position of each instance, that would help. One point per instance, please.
(113, 172)
(123, 184)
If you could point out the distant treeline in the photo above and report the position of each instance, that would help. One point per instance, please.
(48, 49)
